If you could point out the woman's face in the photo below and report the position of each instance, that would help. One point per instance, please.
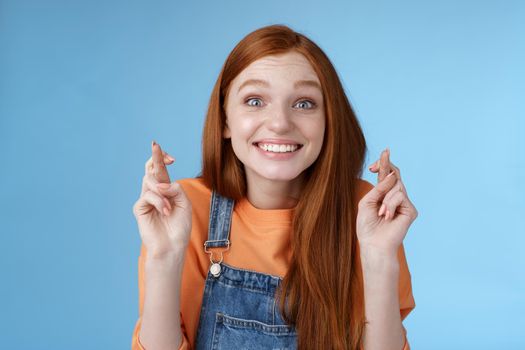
(275, 117)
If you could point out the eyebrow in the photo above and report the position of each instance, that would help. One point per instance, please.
(264, 83)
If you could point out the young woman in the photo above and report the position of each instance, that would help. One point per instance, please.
(278, 243)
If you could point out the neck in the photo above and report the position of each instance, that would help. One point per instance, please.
(273, 194)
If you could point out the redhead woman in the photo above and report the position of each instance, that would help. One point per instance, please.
(278, 243)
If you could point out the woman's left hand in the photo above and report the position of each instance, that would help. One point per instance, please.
(385, 212)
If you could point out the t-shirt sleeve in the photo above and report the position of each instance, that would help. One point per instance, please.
(135, 341)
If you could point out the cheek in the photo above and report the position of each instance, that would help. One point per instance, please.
(315, 131)
(242, 127)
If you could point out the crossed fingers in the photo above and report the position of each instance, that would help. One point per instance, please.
(396, 195)
(156, 164)
(155, 170)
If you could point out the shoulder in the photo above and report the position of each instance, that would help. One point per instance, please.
(199, 194)
(195, 188)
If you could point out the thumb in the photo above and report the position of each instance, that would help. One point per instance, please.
(379, 191)
(173, 191)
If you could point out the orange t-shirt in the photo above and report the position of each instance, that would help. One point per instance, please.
(259, 241)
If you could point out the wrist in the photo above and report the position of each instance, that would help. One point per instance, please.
(166, 259)
(377, 260)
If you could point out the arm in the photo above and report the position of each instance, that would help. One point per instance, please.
(384, 216)
(159, 324)
(164, 218)
(384, 329)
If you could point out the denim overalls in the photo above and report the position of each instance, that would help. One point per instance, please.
(239, 309)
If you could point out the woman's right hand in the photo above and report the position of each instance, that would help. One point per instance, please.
(163, 211)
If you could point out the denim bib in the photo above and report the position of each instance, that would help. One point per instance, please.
(239, 309)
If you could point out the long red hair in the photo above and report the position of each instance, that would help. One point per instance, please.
(322, 292)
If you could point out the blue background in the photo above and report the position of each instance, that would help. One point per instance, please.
(86, 85)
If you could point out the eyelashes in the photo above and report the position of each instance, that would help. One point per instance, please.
(312, 103)
(301, 100)
(247, 101)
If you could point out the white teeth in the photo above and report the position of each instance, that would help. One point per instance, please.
(277, 148)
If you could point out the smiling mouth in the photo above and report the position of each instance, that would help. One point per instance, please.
(278, 148)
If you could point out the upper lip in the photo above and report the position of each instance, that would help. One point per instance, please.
(278, 142)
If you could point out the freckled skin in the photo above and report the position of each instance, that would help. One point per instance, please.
(278, 111)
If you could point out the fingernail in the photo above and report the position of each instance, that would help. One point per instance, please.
(170, 158)
(163, 186)
(391, 173)
(153, 143)
(166, 211)
(387, 215)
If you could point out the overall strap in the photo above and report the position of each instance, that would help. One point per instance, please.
(219, 229)
(220, 220)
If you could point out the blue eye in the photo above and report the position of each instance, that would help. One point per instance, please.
(257, 102)
(312, 104)
(253, 99)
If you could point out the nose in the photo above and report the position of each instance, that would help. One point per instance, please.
(279, 120)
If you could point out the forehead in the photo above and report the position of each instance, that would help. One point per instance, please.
(290, 66)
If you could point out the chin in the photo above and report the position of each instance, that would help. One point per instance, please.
(279, 175)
